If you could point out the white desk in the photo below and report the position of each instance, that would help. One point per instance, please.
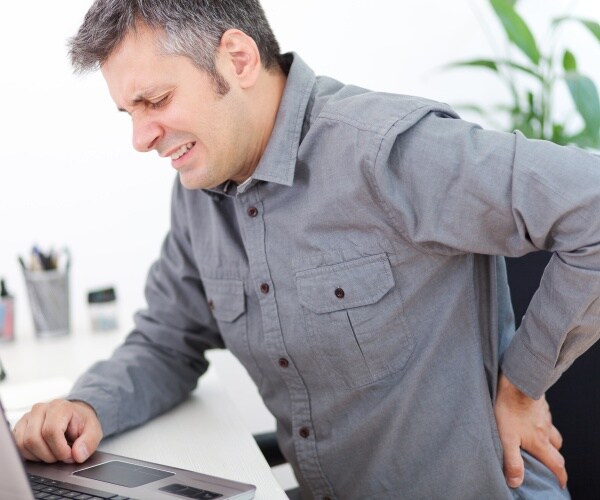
(203, 434)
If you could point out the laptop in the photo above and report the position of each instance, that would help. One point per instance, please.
(105, 476)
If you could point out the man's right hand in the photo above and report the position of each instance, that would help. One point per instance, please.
(67, 431)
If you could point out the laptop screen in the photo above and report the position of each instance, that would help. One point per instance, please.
(13, 479)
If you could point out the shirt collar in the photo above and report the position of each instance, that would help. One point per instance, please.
(278, 162)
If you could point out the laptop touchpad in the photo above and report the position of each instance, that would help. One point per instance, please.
(123, 474)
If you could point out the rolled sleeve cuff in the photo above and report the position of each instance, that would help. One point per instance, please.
(529, 373)
(103, 404)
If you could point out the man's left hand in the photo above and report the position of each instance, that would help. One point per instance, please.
(526, 423)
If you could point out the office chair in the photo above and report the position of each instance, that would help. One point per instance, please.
(267, 442)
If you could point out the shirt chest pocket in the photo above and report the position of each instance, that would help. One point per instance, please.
(226, 300)
(354, 320)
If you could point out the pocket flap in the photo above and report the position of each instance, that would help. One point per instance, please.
(225, 298)
(354, 283)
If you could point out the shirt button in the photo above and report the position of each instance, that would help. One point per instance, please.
(284, 363)
(252, 212)
(339, 293)
(211, 305)
(304, 432)
(264, 288)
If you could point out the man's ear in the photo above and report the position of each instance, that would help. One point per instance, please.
(240, 53)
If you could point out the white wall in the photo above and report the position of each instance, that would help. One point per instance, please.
(69, 176)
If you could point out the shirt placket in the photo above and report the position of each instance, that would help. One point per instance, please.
(251, 215)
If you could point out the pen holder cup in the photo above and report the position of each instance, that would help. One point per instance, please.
(48, 293)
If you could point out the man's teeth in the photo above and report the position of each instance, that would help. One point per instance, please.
(182, 150)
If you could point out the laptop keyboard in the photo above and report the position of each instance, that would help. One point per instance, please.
(49, 489)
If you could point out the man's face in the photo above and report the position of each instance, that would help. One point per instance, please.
(176, 111)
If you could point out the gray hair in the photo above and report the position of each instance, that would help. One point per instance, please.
(192, 28)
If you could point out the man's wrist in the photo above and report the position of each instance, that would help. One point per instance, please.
(510, 390)
(83, 403)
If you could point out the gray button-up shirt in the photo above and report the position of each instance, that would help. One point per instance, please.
(355, 277)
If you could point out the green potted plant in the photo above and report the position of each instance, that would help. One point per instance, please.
(532, 73)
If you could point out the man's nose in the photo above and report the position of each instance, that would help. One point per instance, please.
(146, 134)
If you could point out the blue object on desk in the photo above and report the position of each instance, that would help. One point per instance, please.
(7, 316)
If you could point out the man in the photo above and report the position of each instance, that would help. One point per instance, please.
(341, 243)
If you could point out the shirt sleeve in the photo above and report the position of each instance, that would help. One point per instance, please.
(451, 187)
(161, 359)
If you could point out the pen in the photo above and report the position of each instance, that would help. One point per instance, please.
(43, 261)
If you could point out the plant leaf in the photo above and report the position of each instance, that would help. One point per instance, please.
(558, 134)
(482, 63)
(569, 61)
(583, 140)
(493, 64)
(524, 126)
(516, 28)
(530, 71)
(585, 96)
(592, 26)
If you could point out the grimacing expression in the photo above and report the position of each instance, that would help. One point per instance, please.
(176, 111)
